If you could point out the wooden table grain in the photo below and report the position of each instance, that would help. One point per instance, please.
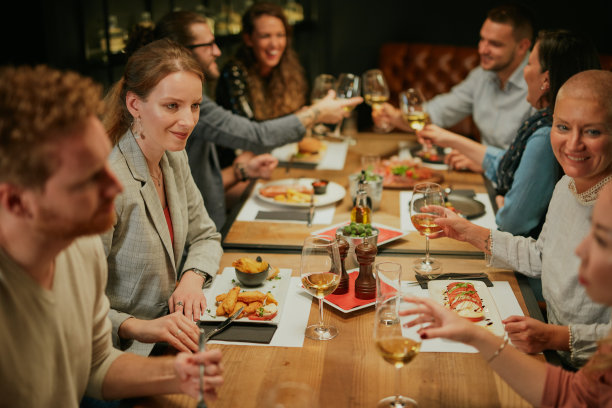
(246, 235)
(347, 371)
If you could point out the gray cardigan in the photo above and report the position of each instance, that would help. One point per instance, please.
(220, 126)
(142, 260)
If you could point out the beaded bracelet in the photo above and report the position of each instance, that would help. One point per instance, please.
(571, 347)
(499, 350)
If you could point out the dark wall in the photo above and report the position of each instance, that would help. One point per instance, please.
(344, 35)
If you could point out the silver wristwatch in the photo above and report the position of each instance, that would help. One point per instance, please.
(207, 276)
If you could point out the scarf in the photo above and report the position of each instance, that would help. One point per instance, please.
(512, 158)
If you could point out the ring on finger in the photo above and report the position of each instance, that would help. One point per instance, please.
(179, 304)
(178, 332)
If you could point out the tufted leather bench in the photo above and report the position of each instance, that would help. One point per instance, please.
(431, 68)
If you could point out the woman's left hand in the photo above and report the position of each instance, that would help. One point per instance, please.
(188, 296)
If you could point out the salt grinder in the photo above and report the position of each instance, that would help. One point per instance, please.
(343, 286)
(365, 285)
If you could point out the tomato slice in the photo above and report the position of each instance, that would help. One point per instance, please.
(268, 317)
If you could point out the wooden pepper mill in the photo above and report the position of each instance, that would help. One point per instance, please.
(343, 286)
(365, 285)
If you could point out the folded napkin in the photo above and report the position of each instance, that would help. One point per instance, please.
(246, 332)
(286, 215)
(423, 279)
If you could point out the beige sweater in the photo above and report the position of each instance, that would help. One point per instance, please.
(56, 344)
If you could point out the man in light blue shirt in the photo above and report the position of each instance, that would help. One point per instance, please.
(493, 93)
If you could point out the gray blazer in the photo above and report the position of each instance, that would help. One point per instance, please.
(142, 262)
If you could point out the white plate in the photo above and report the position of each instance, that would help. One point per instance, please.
(335, 192)
(492, 320)
(227, 280)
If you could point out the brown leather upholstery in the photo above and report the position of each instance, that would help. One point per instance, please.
(606, 62)
(433, 69)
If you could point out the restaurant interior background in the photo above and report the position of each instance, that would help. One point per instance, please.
(334, 35)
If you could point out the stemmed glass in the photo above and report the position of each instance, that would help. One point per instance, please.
(375, 94)
(396, 344)
(426, 195)
(322, 85)
(320, 270)
(411, 105)
(347, 86)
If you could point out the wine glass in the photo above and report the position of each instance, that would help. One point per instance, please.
(426, 195)
(396, 344)
(411, 105)
(320, 270)
(347, 86)
(375, 94)
(322, 85)
(388, 281)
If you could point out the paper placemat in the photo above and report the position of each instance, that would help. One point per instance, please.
(333, 157)
(487, 220)
(294, 319)
(506, 302)
(424, 280)
(253, 206)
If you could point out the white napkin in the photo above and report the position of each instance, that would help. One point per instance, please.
(506, 302)
(487, 220)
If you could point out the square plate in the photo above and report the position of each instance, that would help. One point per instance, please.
(347, 302)
(385, 233)
(227, 280)
(492, 320)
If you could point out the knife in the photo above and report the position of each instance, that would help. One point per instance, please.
(310, 211)
(223, 325)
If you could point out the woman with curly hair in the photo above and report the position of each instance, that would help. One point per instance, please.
(265, 79)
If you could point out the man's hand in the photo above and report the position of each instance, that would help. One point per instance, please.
(331, 110)
(187, 368)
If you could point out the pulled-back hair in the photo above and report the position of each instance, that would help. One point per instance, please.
(176, 25)
(517, 16)
(143, 71)
(38, 107)
(563, 54)
(284, 91)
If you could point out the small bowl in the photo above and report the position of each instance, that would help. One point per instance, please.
(320, 186)
(252, 279)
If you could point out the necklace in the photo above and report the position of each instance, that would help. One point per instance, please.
(586, 197)
(158, 179)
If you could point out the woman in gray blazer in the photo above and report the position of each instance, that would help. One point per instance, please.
(150, 113)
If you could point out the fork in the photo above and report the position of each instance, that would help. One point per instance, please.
(202, 347)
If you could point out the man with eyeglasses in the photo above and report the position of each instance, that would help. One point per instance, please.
(218, 126)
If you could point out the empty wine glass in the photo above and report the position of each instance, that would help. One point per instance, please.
(347, 86)
(375, 94)
(320, 270)
(425, 198)
(396, 344)
(388, 281)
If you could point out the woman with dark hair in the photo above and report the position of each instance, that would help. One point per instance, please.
(525, 174)
(265, 79)
(149, 116)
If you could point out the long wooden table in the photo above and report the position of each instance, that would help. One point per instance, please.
(244, 235)
(347, 371)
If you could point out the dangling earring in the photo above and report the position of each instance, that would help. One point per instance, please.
(137, 128)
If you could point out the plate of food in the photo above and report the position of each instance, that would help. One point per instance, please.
(262, 304)
(405, 173)
(470, 299)
(308, 152)
(433, 154)
(297, 192)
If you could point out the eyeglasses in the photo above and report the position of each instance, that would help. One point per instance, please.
(208, 44)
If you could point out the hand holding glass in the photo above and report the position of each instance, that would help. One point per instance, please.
(347, 86)
(320, 270)
(375, 94)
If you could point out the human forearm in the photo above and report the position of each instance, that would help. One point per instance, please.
(468, 147)
(308, 116)
(523, 373)
(131, 375)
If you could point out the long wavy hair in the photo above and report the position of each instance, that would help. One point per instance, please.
(284, 90)
(143, 71)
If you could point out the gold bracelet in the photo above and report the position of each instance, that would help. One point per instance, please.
(499, 350)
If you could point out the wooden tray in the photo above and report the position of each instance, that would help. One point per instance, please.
(407, 183)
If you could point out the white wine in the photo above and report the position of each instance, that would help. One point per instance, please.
(348, 108)
(321, 284)
(375, 101)
(425, 224)
(398, 350)
(416, 120)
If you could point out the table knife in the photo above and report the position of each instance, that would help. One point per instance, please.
(311, 211)
(223, 325)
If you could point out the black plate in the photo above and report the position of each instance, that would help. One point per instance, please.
(467, 207)
(415, 150)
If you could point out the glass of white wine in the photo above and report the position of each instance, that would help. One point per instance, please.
(411, 104)
(375, 94)
(320, 270)
(426, 198)
(396, 344)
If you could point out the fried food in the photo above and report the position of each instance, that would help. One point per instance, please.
(230, 300)
(293, 196)
(248, 265)
(251, 296)
(272, 273)
(253, 301)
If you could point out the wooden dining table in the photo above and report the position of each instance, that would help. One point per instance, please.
(347, 371)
